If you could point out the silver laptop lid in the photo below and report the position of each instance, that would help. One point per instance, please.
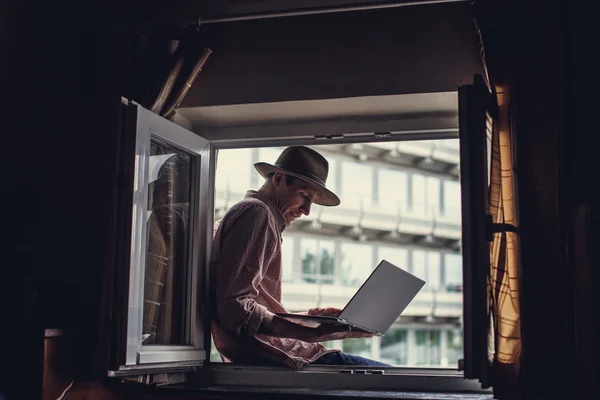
(382, 298)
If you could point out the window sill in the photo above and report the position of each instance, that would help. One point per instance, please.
(338, 378)
(267, 393)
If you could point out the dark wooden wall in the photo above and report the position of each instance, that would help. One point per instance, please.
(62, 83)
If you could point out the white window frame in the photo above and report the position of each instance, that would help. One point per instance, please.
(336, 377)
(172, 357)
(132, 357)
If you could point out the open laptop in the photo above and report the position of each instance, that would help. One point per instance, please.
(377, 303)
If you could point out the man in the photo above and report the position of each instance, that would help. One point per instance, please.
(246, 268)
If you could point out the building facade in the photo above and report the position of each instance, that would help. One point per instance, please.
(400, 202)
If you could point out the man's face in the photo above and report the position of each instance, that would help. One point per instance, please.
(294, 200)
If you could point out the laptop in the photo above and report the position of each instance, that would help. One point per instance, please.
(377, 303)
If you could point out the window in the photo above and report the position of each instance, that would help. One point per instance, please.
(167, 260)
(357, 184)
(419, 198)
(330, 256)
(392, 190)
(317, 259)
(161, 239)
(394, 347)
(357, 263)
(287, 262)
(453, 274)
(233, 175)
(428, 348)
(396, 255)
(426, 265)
(452, 199)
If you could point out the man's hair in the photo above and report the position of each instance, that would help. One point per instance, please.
(288, 178)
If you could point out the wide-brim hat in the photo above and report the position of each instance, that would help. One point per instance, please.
(306, 164)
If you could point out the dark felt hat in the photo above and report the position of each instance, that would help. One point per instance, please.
(304, 163)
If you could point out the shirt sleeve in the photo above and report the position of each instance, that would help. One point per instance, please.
(246, 250)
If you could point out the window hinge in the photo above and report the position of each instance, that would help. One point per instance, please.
(461, 364)
(325, 137)
(491, 228)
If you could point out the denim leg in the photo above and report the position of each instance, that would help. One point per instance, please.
(341, 358)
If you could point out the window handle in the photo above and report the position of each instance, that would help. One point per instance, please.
(491, 228)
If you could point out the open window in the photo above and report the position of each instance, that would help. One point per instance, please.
(162, 239)
(415, 197)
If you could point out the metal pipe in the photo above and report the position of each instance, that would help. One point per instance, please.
(313, 11)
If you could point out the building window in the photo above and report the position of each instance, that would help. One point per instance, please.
(357, 184)
(396, 255)
(317, 258)
(394, 347)
(453, 272)
(392, 189)
(427, 266)
(233, 174)
(287, 259)
(427, 348)
(357, 263)
(452, 200)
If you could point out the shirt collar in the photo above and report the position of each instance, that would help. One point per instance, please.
(276, 213)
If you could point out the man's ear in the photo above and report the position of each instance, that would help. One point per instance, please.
(276, 178)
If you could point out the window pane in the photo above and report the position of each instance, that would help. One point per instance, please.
(327, 261)
(308, 257)
(452, 205)
(419, 265)
(453, 272)
(357, 263)
(394, 347)
(434, 270)
(418, 194)
(357, 183)
(427, 348)
(396, 255)
(392, 189)
(167, 246)
(287, 259)
(233, 173)
(269, 154)
(454, 347)
(433, 195)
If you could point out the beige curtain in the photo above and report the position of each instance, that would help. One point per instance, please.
(504, 285)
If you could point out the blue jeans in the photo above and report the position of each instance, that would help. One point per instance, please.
(341, 358)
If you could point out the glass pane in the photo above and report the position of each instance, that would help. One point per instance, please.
(433, 195)
(418, 194)
(269, 154)
(357, 347)
(394, 347)
(165, 285)
(233, 173)
(452, 204)
(357, 184)
(434, 271)
(453, 272)
(396, 255)
(391, 189)
(357, 263)
(454, 347)
(287, 259)
(419, 266)
(428, 348)
(327, 261)
(308, 257)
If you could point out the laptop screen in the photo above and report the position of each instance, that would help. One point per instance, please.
(382, 297)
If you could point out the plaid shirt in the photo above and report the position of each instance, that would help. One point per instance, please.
(246, 272)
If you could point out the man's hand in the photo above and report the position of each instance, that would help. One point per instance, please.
(276, 326)
(325, 312)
